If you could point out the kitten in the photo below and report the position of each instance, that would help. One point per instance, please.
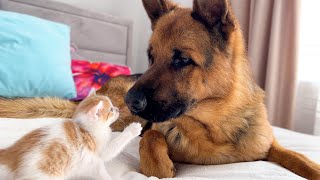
(72, 147)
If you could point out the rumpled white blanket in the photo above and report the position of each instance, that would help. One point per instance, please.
(126, 165)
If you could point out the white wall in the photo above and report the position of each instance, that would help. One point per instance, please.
(130, 9)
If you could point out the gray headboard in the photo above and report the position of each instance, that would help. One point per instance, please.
(99, 37)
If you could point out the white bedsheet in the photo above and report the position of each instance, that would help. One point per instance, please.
(126, 165)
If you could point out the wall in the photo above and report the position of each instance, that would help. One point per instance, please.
(130, 9)
(94, 5)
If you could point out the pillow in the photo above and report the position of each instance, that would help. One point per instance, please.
(88, 75)
(34, 57)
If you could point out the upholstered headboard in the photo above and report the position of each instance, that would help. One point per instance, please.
(98, 36)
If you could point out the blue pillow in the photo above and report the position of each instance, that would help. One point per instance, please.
(34, 57)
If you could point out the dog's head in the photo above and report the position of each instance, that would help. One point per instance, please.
(190, 57)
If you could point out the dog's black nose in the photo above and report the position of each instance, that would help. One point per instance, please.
(136, 101)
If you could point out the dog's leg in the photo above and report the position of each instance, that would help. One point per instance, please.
(154, 157)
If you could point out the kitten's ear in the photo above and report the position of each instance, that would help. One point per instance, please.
(92, 92)
(96, 110)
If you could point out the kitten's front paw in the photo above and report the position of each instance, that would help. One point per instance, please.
(134, 128)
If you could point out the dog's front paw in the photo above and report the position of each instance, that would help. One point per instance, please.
(154, 157)
(134, 129)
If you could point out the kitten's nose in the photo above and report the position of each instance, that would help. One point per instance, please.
(136, 101)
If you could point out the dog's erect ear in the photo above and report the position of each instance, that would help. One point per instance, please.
(156, 8)
(214, 13)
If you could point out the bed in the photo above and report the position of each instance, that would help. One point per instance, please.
(106, 38)
(126, 165)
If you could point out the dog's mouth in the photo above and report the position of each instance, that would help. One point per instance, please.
(178, 112)
(145, 103)
(157, 112)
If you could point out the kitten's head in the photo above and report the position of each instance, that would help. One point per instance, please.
(97, 108)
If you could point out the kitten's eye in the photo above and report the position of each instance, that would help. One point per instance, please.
(179, 62)
(114, 109)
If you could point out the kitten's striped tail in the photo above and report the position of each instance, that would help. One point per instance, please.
(36, 108)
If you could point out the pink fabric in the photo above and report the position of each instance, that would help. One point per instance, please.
(88, 75)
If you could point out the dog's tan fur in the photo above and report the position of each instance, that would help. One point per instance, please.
(36, 108)
(227, 124)
(296, 162)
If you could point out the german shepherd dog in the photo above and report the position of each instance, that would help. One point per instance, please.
(198, 93)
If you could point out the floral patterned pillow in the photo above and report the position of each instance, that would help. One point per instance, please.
(88, 75)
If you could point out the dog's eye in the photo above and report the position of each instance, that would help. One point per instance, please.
(179, 62)
(182, 62)
(150, 57)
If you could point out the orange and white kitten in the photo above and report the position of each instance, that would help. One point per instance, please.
(72, 147)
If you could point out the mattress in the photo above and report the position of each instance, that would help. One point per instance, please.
(126, 165)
